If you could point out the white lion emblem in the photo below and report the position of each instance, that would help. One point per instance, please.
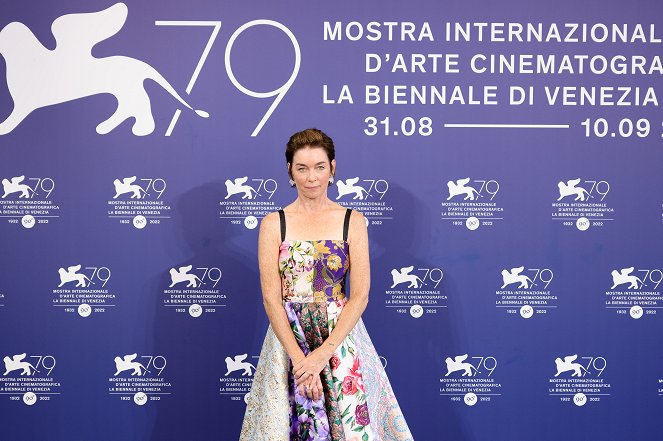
(71, 275)
(568, 365)
(127, 363)
(457, 364)
(237, 186)
(514, 276)
(15, 363)
(624, 276)
(459, 187)
(127, 185)
(569, 189)
(349, 187)
(38, 77)
(238, 363)
(14, 186)
(180, 275)
(404, 276)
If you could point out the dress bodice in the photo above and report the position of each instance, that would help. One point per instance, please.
(313, 270)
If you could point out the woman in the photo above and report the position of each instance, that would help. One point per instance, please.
(318, 376)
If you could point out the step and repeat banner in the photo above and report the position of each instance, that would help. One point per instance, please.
(507, 156)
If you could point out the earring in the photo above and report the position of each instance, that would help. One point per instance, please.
(292, 183)
(331, 179)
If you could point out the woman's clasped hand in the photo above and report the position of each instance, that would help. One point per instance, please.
(306, 371)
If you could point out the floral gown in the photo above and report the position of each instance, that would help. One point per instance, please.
(358, 403)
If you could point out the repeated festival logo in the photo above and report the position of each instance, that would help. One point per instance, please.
(526, 291)
(247, 200)
(472, 203)
(139, 378)
(470, 379)
(139, 201)
(194, 290)
(368, 196)
(581, 203)
(28, 201)
(634, 292)
(238, 378)
(84, 290)
(29, 378)
(579, 379)
(415, 291)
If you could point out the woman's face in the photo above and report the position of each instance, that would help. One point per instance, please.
(311, 171)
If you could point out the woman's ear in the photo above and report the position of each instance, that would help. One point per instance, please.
(333, 167)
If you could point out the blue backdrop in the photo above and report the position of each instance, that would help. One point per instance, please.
(515, 209)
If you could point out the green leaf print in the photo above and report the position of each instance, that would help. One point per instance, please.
(342, 351)
(365, 437)
(346, 411)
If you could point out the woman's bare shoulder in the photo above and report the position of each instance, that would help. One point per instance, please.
(270, 222)
(357, 221)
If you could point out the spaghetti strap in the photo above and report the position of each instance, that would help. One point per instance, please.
(282, 222)
(346, 224)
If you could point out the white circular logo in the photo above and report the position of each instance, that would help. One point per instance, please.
(195, 310)
(383, 361)
(246, 397)
(250, 222)
(470, 398)
(582, 223)
(84, 310)
(140, 222)
(580, 399)
(636, 311)
(28, 221)
(526, 311)
(416, 311)
(472, 223)
(29, 398)
(140, 398)
(367, 222)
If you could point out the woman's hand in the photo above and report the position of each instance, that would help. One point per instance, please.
(311, 389)
(308, 368)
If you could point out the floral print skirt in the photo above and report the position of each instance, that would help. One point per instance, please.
(358, 403)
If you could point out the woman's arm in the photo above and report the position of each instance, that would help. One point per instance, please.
(360, 283)
(269, 242)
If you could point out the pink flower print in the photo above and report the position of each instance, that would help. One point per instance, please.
(349, 385)
(361, 414)
(355, 371)
(335, 361)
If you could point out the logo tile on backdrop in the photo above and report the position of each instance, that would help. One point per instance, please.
(140, 379)
(84, 290)
(415, 291)
(634, 292)
(368, 196)
(582, 204)
(139, 202)
(526, 291)
(29, 379)
(472, 203)
(194, 291)
(28, 201)
(236, 382)
(579, 379)
(75, 73)
(248, 200)
(470, 379)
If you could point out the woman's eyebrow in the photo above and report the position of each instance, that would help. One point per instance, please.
(319, 163)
